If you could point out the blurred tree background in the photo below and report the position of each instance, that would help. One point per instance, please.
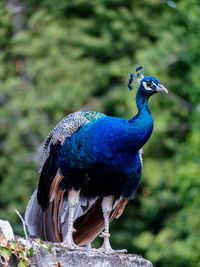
(61, 56)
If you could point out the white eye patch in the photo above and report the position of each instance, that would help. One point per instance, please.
(146, 87)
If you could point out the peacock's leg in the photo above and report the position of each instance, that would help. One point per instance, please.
(73, 200)
(107, 206)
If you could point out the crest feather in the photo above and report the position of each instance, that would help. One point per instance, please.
(135, 78)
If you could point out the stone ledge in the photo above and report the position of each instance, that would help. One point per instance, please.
(62, 257)
(77, 258)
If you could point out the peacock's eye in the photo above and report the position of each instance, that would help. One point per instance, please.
(149, 84)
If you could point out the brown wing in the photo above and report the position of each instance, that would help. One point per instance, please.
(91, 224)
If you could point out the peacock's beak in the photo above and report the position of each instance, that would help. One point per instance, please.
(161, 88)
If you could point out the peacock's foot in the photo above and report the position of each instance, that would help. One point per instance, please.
(69, 243)
(106, 247)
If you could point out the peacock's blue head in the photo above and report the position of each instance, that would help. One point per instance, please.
(150, 85)
(147, 85)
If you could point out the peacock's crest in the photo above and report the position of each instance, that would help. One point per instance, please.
(135, 78)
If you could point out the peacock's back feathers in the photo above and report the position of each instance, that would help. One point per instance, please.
(65, 128)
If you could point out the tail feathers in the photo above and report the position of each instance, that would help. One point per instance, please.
(60, 211)
(55, 214)
(33, 215)
(59, 208)
(38, 222)
(47, 232)
(51, 224)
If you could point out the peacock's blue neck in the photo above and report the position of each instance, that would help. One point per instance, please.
(142, 101)
(142, 123)
(143, 108)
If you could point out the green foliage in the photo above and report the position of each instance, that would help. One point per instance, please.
(15, 248)
(21, 253)
(75, 54)
(43, 244)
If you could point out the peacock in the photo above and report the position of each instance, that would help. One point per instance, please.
(91, 168)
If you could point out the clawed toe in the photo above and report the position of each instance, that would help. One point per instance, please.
(107, 250)
(120, 251)
(70, 245)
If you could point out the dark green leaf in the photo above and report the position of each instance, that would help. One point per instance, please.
(47, 246)
(30, 252)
